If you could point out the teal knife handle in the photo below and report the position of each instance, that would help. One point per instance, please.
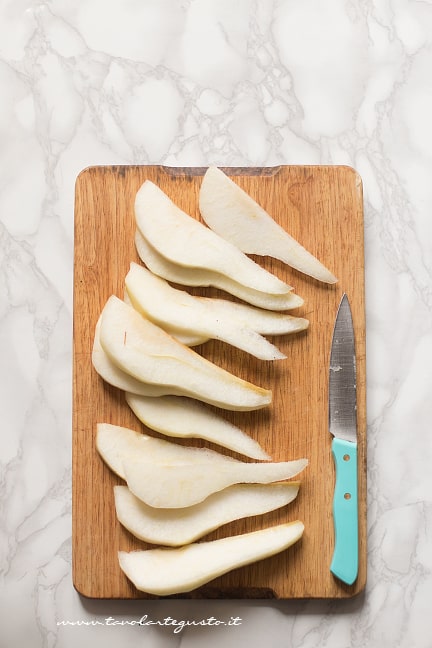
(345, 511)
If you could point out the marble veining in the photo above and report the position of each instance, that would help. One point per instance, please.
(194, 82)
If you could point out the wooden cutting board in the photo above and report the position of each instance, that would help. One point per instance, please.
(322, 207)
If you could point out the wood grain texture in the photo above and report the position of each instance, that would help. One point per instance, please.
(322, 207)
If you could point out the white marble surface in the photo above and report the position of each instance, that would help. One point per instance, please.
(233, 82)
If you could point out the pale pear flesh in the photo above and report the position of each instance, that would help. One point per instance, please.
(149, 354)
(116, 444)
(114, 376)
(264, 321)
(178, 319)
(185, 241)
(207, 318)
(230, 212)
(205, 278)
(165, 474)
(166, 571)
(179, 484)
(183, 417)
(177, 527)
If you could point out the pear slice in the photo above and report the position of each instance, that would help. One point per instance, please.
(185, 241)
(149, 354)
(120, 379)
(200, 277)
(178, 527)
(139, 458)
(116, 444)
(179, 484)
(166, 571)
(177, 416)
(178, 312)
(230, 212)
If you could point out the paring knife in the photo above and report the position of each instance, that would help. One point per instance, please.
(343, 427)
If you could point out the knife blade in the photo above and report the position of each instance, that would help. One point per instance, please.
(343, 427)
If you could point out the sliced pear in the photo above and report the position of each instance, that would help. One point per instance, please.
(203, 318)
(200, 277)
(139, 458)
(265, 321)
(166, 571)
(149, 354)
(178, 527)
(185, 241)
(230, 212)
(116, 444)
(179, 484)
(177, 416)
(114, 376)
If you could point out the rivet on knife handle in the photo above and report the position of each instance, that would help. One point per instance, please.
(343, 427)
